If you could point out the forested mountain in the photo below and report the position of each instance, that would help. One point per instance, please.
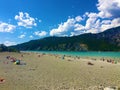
(108, 40)
(4, 48)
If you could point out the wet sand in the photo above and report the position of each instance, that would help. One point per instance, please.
(52, 72)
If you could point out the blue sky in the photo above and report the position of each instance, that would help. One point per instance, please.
(25, 20)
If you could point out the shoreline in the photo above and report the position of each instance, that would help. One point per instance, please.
(101, 58)
(72, 53)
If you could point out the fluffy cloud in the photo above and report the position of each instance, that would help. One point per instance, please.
(110, 24)
(21, 36)
(101, 25)
(5, 27)
(40, 33)
(69, 25)
(25, 20)
(93, 25)
(73, 27)
(63, 27)
(108, 13)
(96, 24)
(92, 17)
(109, 8)
(108, 16)
(78, 18)
(78, 27)
(9, 43)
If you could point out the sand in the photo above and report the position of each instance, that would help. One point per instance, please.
(51, 72)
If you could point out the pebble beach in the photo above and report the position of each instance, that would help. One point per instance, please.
(53, 72)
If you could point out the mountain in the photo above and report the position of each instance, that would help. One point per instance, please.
(4, 48)
(108, 40)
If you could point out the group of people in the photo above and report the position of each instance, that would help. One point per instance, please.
(14, 60)
(110, 61)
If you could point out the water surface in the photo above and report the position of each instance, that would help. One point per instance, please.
(83, 54)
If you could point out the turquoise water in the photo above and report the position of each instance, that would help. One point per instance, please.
(83, 54)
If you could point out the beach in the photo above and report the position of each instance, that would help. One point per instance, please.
(57, 72)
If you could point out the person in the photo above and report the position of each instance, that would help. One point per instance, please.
(2, 80)
(63, 57)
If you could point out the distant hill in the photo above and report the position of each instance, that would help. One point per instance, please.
(4, 48)
(108, 40)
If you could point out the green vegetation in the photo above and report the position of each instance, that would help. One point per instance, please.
(105, 41)
(3, 48)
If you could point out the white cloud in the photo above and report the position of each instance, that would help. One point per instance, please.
(5, 27)
(40, 33)
(79, 27)
(100, 26)
(106, 22)
(110, 24)
(78, 18)
(69, 25)
(31, 36)
(94, 24)
(63, 27)
(101, 21)
(21, 36)
(116, 22)
(92, 17)
(9, 43)
(86, 14)
(108, 16)
(74, 33)
(109, 8)
(25, 20)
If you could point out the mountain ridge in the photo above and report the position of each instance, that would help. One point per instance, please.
(4, 48)
(108, 40)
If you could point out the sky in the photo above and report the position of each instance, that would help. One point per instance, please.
(25, 20)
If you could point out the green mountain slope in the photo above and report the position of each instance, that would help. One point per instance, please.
(4, 48)
(108, 40)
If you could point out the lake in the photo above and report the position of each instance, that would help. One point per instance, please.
(83, 54)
